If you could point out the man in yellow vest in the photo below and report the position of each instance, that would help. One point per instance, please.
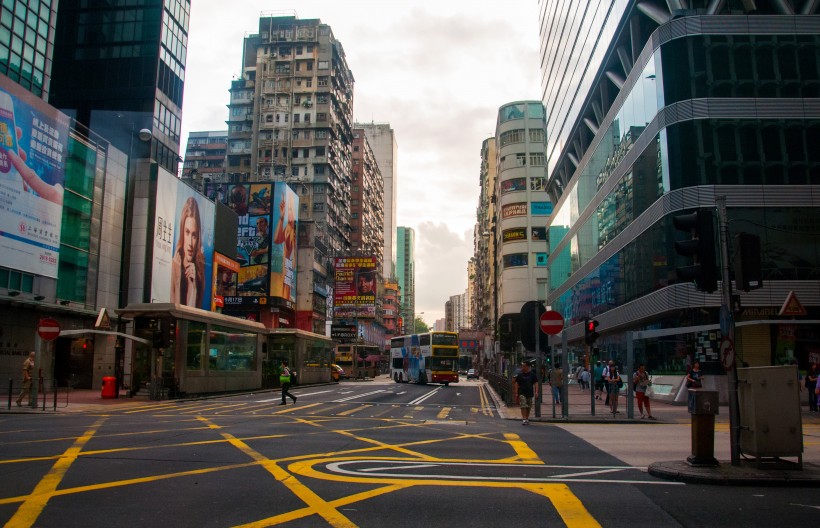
(284, 379)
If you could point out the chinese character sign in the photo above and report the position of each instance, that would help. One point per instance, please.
(33, 148)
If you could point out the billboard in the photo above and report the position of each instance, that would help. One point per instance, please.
(266, 240)
(226, 272)
(33, 150)
(356, 284)
(183, 245)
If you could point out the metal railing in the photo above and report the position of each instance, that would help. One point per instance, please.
(501, 385)
(44, 394)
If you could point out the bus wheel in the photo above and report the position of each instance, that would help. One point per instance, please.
(396, 377)
(446, 383)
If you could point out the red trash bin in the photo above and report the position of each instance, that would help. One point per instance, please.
(109, 387)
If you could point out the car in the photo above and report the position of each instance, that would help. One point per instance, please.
(472, 373)
(337, 372)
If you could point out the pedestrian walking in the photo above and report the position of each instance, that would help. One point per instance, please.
(285, 380)
(598, 379)
(810, 381)
(585, 379)
(613, 380)
(640, 384)
(28, 370)
(556, 382)
(525, 389)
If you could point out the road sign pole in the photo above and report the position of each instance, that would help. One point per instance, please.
(726, 290)
(537, 328)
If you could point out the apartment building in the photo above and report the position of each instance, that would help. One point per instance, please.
(289, 120)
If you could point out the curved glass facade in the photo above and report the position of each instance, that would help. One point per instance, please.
(701, 152)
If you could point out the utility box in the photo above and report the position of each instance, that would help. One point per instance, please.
(770, 422)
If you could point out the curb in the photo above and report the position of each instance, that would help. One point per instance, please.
(747, 474)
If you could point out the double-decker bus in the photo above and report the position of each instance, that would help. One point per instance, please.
(350, 356)
(424, 358)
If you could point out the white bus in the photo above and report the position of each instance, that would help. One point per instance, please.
(424, 358)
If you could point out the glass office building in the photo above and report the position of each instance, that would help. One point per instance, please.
(657, 112)
(25, 46)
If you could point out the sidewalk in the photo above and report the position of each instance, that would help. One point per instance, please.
(634, 434)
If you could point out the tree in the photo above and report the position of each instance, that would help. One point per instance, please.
(421, 326)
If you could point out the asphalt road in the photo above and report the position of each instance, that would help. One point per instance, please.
(354, 454)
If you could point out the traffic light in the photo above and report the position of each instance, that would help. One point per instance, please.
(747, 261)
(590, 335)
(701, 248)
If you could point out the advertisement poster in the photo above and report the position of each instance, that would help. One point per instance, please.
(252, 204)
(183, 245)
(226, 273)
(266, 241)
(283, 250)
(356, 283)
(33, 149)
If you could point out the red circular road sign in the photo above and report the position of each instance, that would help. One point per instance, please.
(551, 322)
(48, 329)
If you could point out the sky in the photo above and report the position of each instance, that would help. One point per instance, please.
(436, 71)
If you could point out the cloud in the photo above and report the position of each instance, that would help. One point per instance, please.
(441, 267)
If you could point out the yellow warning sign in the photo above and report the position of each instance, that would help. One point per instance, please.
(792, 306)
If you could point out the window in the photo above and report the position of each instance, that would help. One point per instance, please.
(321, 134)
(295, 118)
(321, 116)
(322, 81)
(521, 160)
(537, 159)
(323, 65)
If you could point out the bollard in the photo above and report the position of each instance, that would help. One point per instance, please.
(11, 388)
(703, 406)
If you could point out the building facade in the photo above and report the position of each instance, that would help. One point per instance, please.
(27, 43)
(484, 298)
(663, 112)
(406, 272)
(290, 120)
(204, 160)
(523, 206)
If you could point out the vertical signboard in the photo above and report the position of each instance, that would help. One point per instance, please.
(356, 283)
(33, 151)
(183, 245)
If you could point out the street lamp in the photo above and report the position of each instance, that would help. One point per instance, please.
(414, 320)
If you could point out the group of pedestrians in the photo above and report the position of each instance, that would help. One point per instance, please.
(607, 379)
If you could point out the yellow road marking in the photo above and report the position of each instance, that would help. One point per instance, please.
(443, 413)
(317, 504)
(353, 410)
(525, 454)
(29, 511)
(293, 408)
(567, 505)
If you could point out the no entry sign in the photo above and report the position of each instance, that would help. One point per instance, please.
(551, 322)
(48, 329)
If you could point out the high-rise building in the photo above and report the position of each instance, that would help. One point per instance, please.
(672, 108)
(523, 206)
(289, 120)
(382, 140)
(406, 272)
(119, 67)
